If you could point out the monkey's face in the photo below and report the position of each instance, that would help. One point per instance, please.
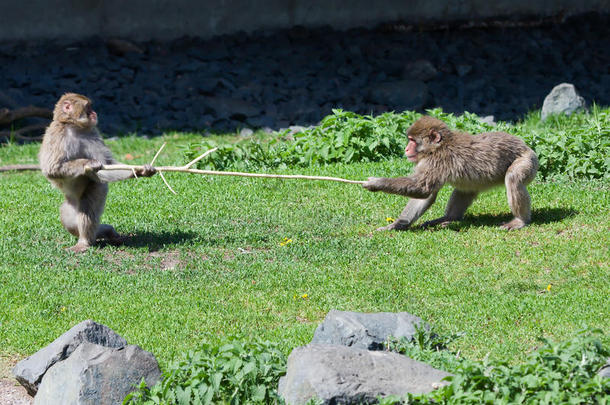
(424, 138)
(76, 110)
(411, 149)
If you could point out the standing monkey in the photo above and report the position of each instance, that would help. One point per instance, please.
(71, 157)
(471, 164)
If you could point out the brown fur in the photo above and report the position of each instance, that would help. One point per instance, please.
(71, 156)
(470, 164)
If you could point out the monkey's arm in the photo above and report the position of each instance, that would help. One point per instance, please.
(109, 176)
(414, 209)
(411, 186)
(70, 168)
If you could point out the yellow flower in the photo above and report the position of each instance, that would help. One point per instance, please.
(304, 296)
(389, 219)
(548, 287)
(285, 242)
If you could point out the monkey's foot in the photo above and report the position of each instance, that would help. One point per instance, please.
(442, 222)
(514, 224)
(116, 240)
(78, 248)
(392, 227)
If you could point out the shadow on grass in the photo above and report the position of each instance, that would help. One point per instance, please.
(156, 240)
(539, 217)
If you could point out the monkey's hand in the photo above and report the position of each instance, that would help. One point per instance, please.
(373, 184)
(147, 171)
(93, 166)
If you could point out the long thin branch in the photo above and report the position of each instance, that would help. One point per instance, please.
(183, 169)
(7, 116)
(19, 168)
(18, 133)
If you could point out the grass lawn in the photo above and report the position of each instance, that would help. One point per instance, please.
(212, 261)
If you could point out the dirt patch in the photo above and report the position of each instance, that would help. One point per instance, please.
(169, 260)
(11, 393)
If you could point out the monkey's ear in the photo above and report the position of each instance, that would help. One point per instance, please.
(66, 107)
(435, 136)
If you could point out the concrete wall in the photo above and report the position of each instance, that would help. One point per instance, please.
(167, 19)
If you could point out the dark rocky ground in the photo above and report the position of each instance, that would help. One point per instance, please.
(275, 79)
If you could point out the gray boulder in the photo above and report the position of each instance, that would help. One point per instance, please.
(563, 99)
(95, 374)
(605, 370)
(366, 331)
(344, 375)
(29, 371)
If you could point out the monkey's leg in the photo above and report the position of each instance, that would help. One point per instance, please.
(90, 210)
(108, 232)
(456, 208)
(518, 175)
(67, 214)
(415, 208)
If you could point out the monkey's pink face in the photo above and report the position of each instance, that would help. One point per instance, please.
(80, 113)
(411, 150)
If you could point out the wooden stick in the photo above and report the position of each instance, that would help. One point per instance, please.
(183, 169)
(197, 159)
(166, 183)
(7, 116)
(19, 168)
(157, 154)
(187, 169)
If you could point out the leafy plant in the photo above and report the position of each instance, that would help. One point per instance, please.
(577, 146)
(234, 373)
(428, 347)
(342, 137)
(555, 373)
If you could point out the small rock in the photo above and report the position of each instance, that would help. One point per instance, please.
(366, 330)
(246, 132)
(345, 375)
(29, 371)
(95, 374)
(421, 69)
(563, 99)
(463, 70)
(489, 119)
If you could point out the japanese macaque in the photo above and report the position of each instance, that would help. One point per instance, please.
(71, 157)
(471, 164)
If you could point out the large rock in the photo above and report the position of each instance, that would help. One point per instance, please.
(563, 99)
(400, 95)
(605, 370)
(366, 331)
(344, 375)
(96, 374)
(29, 371)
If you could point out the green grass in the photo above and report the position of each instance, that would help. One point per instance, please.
(209, 262)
